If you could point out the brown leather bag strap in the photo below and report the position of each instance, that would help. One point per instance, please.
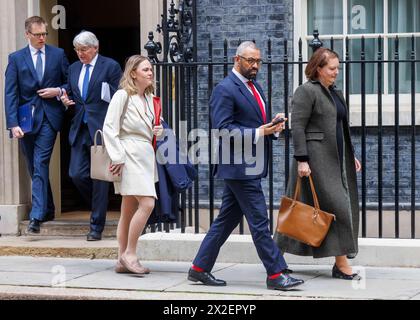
(316, 203)
(298, 187)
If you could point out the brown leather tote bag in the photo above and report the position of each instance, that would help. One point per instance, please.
(302, 222)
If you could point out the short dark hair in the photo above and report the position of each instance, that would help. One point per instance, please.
(33, 20)
(319, 59)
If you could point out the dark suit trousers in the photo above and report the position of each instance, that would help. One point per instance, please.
(241, 197)
(37, 150)
(95, 192)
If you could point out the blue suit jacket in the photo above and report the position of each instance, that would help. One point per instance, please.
(233, 107)
(173, 178)
(22, 85)
(106, 70)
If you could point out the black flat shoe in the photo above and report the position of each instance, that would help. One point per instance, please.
(205, 277)
(338, 274)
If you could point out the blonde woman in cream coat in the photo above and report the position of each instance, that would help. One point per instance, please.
(133, 158)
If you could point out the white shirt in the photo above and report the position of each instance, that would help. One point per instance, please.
(83, 72)
(34, 55)
(245, 81)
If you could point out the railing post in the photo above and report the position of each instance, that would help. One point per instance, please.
(300, 60)
(397, 137)
(363, 107)
(413, 138)
(211, 179)
(286, 112)
(270, 112)
(315, 44)
(380, 144)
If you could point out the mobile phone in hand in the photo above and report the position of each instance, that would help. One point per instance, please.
(277, 121)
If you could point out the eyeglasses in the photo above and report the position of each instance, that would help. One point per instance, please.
(252, 61)
(39, 35)
(82, 50)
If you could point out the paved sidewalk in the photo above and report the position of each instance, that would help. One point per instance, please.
(55, 278)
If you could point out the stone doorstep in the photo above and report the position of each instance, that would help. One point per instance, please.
(183, 247)
(69, 228)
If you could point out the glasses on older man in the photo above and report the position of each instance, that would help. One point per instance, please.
(81, 49)
(39, 35)
(251, 61)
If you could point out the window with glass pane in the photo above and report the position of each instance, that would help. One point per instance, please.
(405, 49)
(404, 17)
(326, 16)
(365, 16)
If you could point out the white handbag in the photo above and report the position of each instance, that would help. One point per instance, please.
(100, 161)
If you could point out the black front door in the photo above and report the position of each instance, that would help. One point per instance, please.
(117, 26)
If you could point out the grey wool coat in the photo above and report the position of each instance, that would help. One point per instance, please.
(313, 123)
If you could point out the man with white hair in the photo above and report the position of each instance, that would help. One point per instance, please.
(238, 106)
(92, 81)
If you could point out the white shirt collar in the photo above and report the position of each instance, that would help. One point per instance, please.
(93, 62)
(35, 51)
(240, 76)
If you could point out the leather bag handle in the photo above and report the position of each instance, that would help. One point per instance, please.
(95, 139)
(298, 187)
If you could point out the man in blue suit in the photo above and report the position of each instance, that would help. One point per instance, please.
(34, 77)
(92, 82)
(238, 111)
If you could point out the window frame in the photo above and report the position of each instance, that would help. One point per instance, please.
(388, 99)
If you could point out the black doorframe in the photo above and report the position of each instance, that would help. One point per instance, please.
(118, 30)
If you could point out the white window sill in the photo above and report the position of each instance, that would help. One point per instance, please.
(388, 110)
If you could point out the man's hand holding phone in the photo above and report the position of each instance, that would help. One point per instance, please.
(276, 125)
(279, 122)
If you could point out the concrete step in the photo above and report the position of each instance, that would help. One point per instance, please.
(74, 224)
(58, 247)
(404, 253)
(74, 228)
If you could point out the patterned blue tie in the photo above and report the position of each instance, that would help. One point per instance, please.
(85, 89)
(38, 67)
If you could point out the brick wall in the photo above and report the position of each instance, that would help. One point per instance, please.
(261, 20)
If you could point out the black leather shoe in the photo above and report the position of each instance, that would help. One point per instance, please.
(284, 282)
(34, 227)
(94, 236)
(205, 277)
(337, 273)
(287, 271)
(48, 218)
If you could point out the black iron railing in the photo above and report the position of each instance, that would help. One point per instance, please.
(185, 85)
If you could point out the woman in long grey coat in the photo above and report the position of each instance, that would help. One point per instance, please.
(323, 149)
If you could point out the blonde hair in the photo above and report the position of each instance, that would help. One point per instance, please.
(127, 81)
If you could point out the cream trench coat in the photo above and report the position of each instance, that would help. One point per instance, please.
(132, 144)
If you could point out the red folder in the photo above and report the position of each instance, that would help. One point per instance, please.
(158, 111)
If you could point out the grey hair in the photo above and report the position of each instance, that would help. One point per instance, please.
(244, 45)
(86, 38)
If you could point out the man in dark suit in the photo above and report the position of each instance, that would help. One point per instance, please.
(34, 76)
(92, 82)
(238, 111)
